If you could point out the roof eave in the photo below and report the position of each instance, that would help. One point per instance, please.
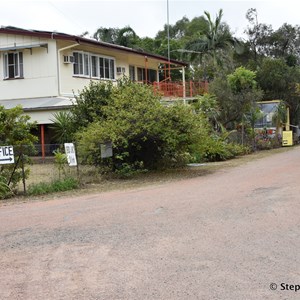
(81, 40)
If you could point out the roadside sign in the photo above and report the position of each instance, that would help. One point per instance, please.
(106, 150)
(71, 154)
(287, 138)
(6, 155)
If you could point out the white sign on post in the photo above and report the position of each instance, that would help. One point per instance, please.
(6, 155)
(71, 154)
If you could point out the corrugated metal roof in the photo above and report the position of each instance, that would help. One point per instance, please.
(39, 104)
(12, 48)
(82, 40)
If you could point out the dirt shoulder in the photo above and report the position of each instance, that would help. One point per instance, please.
(44, 172)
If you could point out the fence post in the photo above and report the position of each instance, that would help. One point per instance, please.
(23, 170)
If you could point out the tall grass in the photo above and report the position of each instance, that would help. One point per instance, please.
(42, 188)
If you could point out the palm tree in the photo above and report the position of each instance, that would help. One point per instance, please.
(126, 37)
(216, 40)
(280, 117)
(108, 35)
(63, 127)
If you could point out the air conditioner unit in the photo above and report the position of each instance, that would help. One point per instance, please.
(69, 59)
(120, 70)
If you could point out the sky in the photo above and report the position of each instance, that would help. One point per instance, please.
(146, 17)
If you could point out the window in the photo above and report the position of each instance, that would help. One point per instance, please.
(132, 73)
(141, 74)
(95, 66)
(107, 68)
(13, 65)
(78, 64)
(151, 75)
(86, 64)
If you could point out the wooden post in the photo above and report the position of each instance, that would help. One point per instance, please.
(23, 169)
(77, 166)
(43, 141)
(146, 69)
(183, 85)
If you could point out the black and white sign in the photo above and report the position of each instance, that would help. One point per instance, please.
(71, 155)
(6, 155)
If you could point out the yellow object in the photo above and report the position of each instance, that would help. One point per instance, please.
(287, 138)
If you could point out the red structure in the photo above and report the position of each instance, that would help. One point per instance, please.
(180, 89)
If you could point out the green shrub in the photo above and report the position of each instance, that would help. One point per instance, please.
(144, 133)
(42, 188)
(15, 130)
(5, 191)
(217, 149)
(60, 160)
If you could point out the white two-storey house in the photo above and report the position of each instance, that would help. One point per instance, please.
(42, 70)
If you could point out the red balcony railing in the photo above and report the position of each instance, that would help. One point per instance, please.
(176, 89)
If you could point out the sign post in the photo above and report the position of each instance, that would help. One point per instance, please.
(6, 155)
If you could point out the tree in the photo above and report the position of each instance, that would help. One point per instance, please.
(258, 35)
(285, 43)
(208, 106)
(242, 80)
(15, 128)
(236, 94)
(108, 35)
(125, 36)
(216, 40)
(90, 102)
(280, 116)
(280, 81)
(263, 41)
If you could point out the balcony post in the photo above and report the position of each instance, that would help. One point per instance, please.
(183, 85)
(146, 69)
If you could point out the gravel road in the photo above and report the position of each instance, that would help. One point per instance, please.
(227, 235)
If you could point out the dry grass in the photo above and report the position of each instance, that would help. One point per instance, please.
(93, 182)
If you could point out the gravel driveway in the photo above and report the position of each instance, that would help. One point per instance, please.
(227, 235)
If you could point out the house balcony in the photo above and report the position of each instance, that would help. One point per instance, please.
(176, 90)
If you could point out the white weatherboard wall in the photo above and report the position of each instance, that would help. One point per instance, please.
(70, 85)
(39, 65)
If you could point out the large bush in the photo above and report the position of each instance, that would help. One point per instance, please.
(144, 133)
